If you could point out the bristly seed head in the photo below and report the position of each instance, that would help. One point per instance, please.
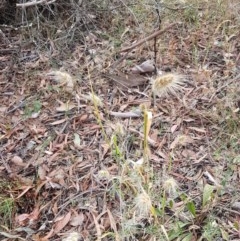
(170, 186)
(166, 84)
(143, 204)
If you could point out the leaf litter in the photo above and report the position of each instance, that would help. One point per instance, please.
(63, 168)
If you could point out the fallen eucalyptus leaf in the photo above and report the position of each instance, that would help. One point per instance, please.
(145, 67)
(76, 140)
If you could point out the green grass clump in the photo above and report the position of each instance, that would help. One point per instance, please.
(7, 206)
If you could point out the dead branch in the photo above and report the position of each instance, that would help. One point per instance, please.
(153, 35)
(34, 3)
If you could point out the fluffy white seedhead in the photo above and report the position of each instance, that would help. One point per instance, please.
(63, 79)
(170, 186)
(60, 76)
(143, 204)
(166, 84)
(95, 99)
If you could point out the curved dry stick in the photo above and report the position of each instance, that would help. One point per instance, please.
(159, 32)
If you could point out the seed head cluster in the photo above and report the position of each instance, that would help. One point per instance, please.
(167, 84)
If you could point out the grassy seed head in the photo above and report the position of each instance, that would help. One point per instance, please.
(170, 186)
(143, 204)
(167, 84)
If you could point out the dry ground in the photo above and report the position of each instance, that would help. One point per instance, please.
(72, 168)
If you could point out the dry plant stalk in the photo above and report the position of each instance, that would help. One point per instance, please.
(153, 35)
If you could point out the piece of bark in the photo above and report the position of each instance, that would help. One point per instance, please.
(127, 80)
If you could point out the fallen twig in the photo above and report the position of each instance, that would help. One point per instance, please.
(34, 3)
(136, 113)
(153, 35)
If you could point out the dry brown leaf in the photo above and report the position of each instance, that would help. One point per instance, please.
(53, 157)
(22, 219)
(60, 224)
(48, 236)
(236, 206)
(25, 218)
(35, 115)
(77, 140)
(189, 154)
(127, 80)
(51, 184)
(201, 130)
(58, 122)
(145, 67)
(26, 189)
(162, 154)
(37, 129)
(58, 176)
(196, 176)
(181, 140)
(41, 173)
(106, 148)
(3, 108)
(34, 214)
(18, 161)
(189, 120)
(174, 128)
(123, 107)
(39, 187)
(55, 208)
(154, 135)
(82, 164)
(77, 220)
